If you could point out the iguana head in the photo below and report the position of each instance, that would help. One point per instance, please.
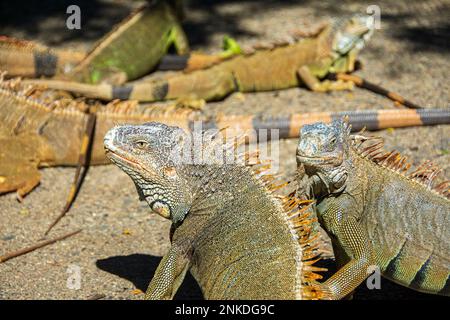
(345, 38)
(146, 153)
(322, 151)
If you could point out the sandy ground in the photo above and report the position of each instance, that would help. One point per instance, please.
(121, 243)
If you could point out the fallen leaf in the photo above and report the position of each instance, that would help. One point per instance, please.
(126, 232)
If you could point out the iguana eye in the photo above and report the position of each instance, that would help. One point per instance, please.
(332, 142)
(141, 144)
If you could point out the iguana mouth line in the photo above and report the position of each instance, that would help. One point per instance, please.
(320, 160)
(114, 156)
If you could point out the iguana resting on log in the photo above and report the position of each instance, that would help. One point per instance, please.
(40, 128)
(238, 239)
(376, 210)
(306, 62)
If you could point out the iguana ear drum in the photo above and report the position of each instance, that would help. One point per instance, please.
(170, 172)
(161, 208)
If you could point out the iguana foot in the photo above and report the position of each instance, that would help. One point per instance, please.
(190, 103)
(19, 160)
(23, 181)
(322, 291)
(314, 84)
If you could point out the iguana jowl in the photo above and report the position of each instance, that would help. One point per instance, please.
(238, 239)
(376, 210)
(306, 62)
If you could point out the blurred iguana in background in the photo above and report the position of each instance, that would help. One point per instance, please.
(305, 62)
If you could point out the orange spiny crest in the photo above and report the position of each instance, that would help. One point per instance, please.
(263, 167)
(443, 188)
(274, 187)
(426, 173)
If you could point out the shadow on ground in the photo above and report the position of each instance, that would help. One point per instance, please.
(422, 24)
(45, 20)
(140, 268)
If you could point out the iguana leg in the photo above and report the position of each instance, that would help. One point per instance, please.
(314, 84)
(179, 39)
(347, 233)
(351, 60)
(190, 103)
(24, 179)
(18, 166)
(168, 276)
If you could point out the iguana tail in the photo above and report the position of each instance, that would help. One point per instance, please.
(289, 126)
(201, 84)
(362, 83)
(27, 59)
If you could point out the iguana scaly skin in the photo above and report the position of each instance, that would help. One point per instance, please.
(306, 62)
(376, 210)
(229, 229)
(21, 58)
(46, 128)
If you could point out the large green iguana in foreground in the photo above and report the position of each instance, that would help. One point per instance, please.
(47, 128)
(377, 211)
(305, 62)
(237, 237)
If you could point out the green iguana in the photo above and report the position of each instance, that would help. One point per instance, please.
(376, 210)
(134, 47)
(238, 239)
(47, 128)
(21, 58)
(307, 62)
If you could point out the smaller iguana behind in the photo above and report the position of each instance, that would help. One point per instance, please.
(305, 62)
(238, 239)
(376, 210)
